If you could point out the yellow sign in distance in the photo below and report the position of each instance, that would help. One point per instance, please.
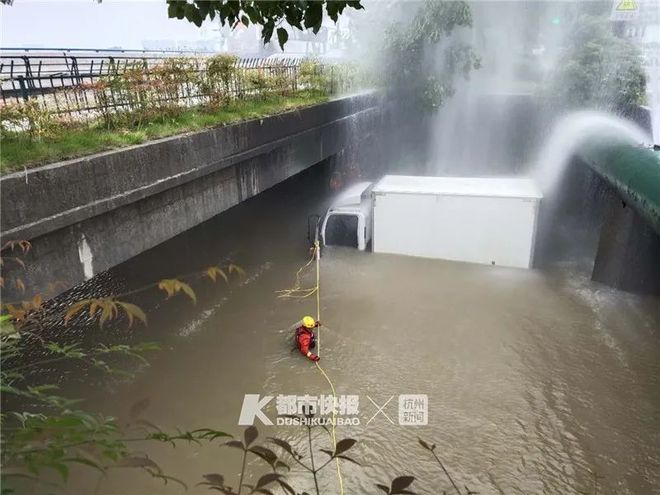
(626, 6)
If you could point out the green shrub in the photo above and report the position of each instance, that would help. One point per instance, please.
(29, 117)
(171, 81)
(257, 81)
(313, 76)
(132, 95)
(279, 81)
(219, 78)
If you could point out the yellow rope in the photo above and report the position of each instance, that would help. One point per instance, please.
(332, 430)
(317, 252)
(297, 293)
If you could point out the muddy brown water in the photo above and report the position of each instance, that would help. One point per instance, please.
(535, 379)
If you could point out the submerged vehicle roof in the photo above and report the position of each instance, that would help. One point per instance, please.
(503, 187)
(351, 196)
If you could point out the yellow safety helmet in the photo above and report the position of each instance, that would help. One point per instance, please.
(308, 322)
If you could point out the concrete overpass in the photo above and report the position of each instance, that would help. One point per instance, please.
(86, 215)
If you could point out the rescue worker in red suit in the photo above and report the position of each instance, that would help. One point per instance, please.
(305, 338)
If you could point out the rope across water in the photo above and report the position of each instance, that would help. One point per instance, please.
(297, 292)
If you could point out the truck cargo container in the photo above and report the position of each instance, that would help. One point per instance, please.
(473, 219)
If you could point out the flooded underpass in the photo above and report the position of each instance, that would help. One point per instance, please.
(150, 293)
(537, 380)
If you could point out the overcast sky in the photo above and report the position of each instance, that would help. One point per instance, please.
(87, 24)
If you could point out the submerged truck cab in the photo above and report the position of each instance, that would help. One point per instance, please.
(348, 220)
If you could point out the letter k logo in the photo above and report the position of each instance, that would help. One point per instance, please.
(252, 409)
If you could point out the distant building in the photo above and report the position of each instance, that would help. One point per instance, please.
(247, 42)
(209, 40)
(182, 45)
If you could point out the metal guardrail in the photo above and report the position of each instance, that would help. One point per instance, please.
(31, 75)
(99, 50)
(69, 84)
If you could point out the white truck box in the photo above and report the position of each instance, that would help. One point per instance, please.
(479, 220)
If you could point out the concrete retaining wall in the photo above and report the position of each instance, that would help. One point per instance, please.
(86, 215)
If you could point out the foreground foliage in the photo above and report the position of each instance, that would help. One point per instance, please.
(301, 15)
(45, 432)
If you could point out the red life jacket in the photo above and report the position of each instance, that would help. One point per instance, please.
(303, 330)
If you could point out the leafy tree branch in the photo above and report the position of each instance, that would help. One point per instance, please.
(269, 15)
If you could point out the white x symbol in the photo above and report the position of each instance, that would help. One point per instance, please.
(380, 409)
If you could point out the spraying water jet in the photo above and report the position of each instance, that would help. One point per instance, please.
(626, 172)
